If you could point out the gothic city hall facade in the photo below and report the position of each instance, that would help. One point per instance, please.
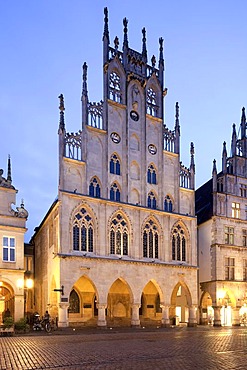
(119, 244)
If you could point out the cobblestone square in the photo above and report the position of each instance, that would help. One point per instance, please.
(174, 348)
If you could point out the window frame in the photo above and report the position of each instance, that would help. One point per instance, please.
(9, 247)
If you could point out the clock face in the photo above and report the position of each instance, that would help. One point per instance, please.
(115, 137)
(134, 115)
(152, 149)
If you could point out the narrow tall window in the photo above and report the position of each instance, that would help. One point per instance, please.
(178, 244)
(243, 190)
(150, 240)
(235, 210)
(83, 231)
(229, 268)
(8, 249)
(151, 201)
(229, 235)
(94, 188)
(151, 175)
(119, 236)
(74, 302)
(115, 192)
(168, 204)
(115, 165)
(152, 107)
(114, 87)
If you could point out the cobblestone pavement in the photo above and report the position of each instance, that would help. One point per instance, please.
(117, 349)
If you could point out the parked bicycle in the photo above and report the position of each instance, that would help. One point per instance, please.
(42, 324)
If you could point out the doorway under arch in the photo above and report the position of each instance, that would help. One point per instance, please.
(150, 310)
(180, 303)
(7, 301)
(119, 302)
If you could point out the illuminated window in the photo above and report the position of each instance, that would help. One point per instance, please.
(150, 240)
(83, 234)
(119, 236)
(178, 244)
(229, 268)
(235, 210)
(229, 235)
(8, 249)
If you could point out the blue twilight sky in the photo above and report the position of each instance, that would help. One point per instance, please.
(44, 43)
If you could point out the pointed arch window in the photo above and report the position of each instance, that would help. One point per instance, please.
(151, 200)
(83, 231)
(150, 240)
(178, 244)
(74, 302)
(115, 87)
(151, 175)
(94, 188)
(119, 236)
(152, 107)
(115, 192)
(168, 207)
(115, 165)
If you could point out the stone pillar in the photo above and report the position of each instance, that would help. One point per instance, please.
(101, 315)
(135, 319)
(235, 316)
(165, 316)
(217, 320)
(63, 320)
(192, 316)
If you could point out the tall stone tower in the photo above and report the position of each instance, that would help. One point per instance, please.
(124, 228)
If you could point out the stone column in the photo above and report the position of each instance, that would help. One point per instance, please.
(192, 316)
(63, 320)
(235, 316)
(101, 315)
(165, 316)
(217, 320)
(135, 319)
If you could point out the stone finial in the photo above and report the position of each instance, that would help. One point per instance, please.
(214, 166)
(161, 59)
(153, 61)
(144, 45)
(125, 24)
(9, 178)
(192, 153)
(116, 43)
(106, 29)
(84, 78)
(62, 109)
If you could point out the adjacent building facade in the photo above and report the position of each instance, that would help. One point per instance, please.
(221, 208)
(12, 265)
(119, 244)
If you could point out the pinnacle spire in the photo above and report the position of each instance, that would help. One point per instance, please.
(144, 46)
(214, 166)
(192, 153)
(125, 24)
(234, 140)
(243, 124)
(106, 29)
(62, 109)
(84, 79)
(177, 126)
(9, 178)
(161, 57)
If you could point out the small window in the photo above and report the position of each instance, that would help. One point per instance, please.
(114, 87)
(94, 188)
(229, 235)
(235, 210)
(229, 268)
(8, 249)
(115, 165)
(168, 204)
(152, 107)
(151, 201)
(151, 175)
(115, 193)
(245, 269)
